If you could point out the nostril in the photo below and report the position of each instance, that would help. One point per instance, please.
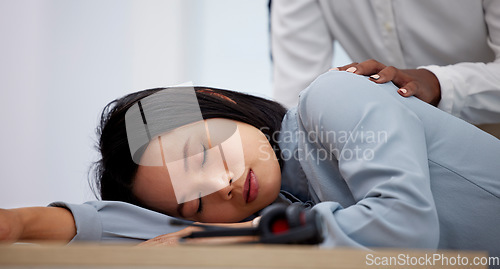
(230, 181)
(229, 193)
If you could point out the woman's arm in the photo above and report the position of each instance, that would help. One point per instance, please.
(111, 221)
(381, 149)
(36, 223)
(115, 221)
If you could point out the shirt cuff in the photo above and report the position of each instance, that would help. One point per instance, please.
(87, 221)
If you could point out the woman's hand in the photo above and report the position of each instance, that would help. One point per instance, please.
(421, 83)
(11, 225)
(172, 239)
(36, 223)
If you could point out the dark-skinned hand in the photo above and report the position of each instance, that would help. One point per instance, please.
(420, 83)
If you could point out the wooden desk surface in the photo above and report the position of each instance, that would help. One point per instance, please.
(227, 256)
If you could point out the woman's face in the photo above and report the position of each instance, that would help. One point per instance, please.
(202, 182)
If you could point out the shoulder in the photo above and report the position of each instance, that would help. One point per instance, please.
(343, 98)
(336, 87)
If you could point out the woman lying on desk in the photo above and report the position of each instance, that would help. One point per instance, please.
(381, 170)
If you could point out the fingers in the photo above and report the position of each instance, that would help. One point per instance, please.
(345, 67)
(170, 239)
(369, 67)
(409, 89)
(420, 83)
(221, 240)
(365, 68)
(160, 241)
(385, 75)
(378, 72)
(175, 241)
(407, 85)
(175, 238)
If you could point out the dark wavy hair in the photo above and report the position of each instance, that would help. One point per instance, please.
(115, 171)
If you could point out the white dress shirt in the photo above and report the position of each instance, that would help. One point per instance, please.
(457, 40)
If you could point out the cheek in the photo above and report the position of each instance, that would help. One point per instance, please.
(147, 195)
(263, 160)
(153, 190)
(235, 158)
(142, 191)
(270, 177)
(257, 151)
(271, 186)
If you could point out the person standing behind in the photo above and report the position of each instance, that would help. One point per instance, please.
(445, 52)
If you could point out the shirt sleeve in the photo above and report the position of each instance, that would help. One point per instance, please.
(302, 47)
(381, 150)
(471, 91)
(111, 221)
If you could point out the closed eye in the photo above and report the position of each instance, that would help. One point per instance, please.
(200, 205)
(204, 155)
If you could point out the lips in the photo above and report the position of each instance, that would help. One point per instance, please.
(251, 187)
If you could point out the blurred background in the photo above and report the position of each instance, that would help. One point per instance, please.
(62, 61)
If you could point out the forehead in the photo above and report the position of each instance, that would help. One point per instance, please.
(169, 146)
(157, 114)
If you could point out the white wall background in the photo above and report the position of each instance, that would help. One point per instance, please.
(62, 61)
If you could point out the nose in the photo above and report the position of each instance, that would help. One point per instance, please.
(226, 192)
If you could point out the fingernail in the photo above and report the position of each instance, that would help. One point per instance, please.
(351, 69)
(335, 69)
(375, 77)
(403, 90)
